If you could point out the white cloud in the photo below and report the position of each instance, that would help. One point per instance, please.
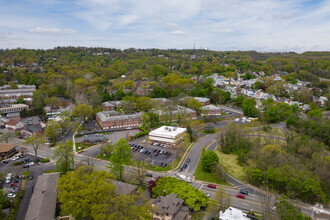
(41, 30)
(178, 32)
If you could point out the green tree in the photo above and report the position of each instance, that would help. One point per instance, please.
(239, 100)
(52, 130)
(65, 156)
(83, 111)
(146, 121)
(287, 211)
(249, 108)
(191, 196)
(20, 100)
(209, 160)
(144, 103)
(120, 155)
(193, 103)
(83, 191)
(37, 141)
(222, 198)
(129, 84)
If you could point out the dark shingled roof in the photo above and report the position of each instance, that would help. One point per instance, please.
(168, 204)
(43, 202)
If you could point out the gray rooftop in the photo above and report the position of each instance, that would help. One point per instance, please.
(124, 188)
(210, 107)
(105, 117)
(168, 204)
(43, 202)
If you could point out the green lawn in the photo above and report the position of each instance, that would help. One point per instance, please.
(82, 146)
(229, 163)
(277, 132)
(203, 175)
(102, 157)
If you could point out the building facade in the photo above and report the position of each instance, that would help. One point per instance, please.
(107, 121)
(13, 108)
(210, 110)
(6, 150)
(168, 135)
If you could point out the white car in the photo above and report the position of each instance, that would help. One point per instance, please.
(8, 180)
(30, 163)
(11, 195)
(15, 158)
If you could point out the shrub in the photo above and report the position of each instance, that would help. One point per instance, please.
(18, 163)
(46, 160)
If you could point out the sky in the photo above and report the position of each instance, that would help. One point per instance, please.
(261, 25)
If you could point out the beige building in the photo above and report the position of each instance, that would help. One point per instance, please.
(167, 135)
(210, 110)
(13, 108)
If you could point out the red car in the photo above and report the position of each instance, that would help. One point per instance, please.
(240, 196)
(212, 186)
(14, 184)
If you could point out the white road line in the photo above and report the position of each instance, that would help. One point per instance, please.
(201, 186)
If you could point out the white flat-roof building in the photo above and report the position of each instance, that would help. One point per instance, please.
(13, 108)
(233, 214)
(167, 135)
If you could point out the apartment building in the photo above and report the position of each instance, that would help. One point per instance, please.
(106, 121)
(9, 95)
(8, 108)
(210, 110)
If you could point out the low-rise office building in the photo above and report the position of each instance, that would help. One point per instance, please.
(107, 121)
(168, 135)
(6, 150)
(13, 108)
(210, 110)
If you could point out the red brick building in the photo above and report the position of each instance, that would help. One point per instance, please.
(107, 121)
(107, 106)
(6, 150)
(210, 110)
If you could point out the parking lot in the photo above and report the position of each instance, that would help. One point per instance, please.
(159, 155)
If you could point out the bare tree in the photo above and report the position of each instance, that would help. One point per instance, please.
(141, 172)
(223, 199)
(37, 141)
(7, 136)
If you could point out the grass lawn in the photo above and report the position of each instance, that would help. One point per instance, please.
(229, 163)
(277, 132)
(265, 140)
(203, 175)
(102, 157)
(82, 146)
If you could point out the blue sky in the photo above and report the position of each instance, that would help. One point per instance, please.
(262, 25)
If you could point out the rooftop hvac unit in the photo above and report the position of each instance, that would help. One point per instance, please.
(174, 129)
(169, 129)
(166, 128)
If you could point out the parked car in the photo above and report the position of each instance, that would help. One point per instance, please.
(8, 180)
(14, 184)
(180, 169)
(31, 164)
(188, 160)
(164, 165)
(241, 196)
(153, 161)
(244, 192)
(212, 186)
(11, 195)
(5, 161)
(30, 178)
(149, 174)
(184, 166)
(208, 195)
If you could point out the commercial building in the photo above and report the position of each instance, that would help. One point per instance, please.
(175, 115)
(6, 150)
(167, 135)
(13, 108)
(14, 125)
(210, 110)
(94, 138)
(107, 121)
(233, 214)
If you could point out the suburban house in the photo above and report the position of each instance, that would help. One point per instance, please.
(14, 125)
(44, 198)
(170, 208)
(29, 130)
(124, 188)
(6, 150)
(174, 115)
(210, 110)
(171, 136)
